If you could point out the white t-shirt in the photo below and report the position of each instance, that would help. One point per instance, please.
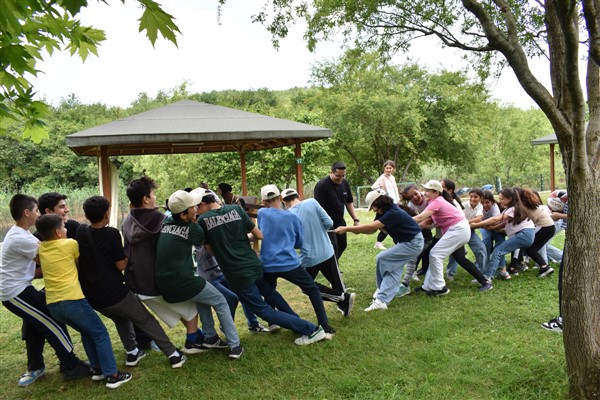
(17, 267)
(471, 212)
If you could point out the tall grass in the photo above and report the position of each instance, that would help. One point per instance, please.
(467, 345)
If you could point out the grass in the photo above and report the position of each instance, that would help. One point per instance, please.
(467, 345)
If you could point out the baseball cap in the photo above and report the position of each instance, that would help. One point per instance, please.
(372, 196)
(269, 192)
(182, 200)
(434, 185)
(338, 165)
(288, 192)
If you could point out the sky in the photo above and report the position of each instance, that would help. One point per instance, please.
(235, 54)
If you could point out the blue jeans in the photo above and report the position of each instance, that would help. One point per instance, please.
(220, 283)
(299, 277)
(491, 239)
(209, 298)
(390, 266)
(478, 248)
(253, 296)
(79, 315)
(522, 239)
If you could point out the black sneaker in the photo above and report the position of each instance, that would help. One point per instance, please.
(345, 306)
(113, 382)
(258, 328)
(546, 271)
(80, 370)
(97, 375)
(236, 352)
(420, 289)
(177, 361)
(214, 343)
(329, 332)
(134, 359)
(193, 347)
(554, 325)
(442, 292)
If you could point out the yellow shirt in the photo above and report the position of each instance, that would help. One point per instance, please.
(57, 258)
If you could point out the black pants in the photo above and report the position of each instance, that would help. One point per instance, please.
(39, 326)
(339, 242)
(331, 272)
(542, 237)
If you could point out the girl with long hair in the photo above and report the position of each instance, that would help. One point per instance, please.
(387, 183)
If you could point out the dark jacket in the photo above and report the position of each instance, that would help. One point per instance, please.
(141, 229)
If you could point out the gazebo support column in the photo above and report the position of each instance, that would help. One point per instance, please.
(299, 181)
(104, 176)
(243, 170)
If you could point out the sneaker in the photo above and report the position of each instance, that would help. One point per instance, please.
(345, 306)
(415, 277)
(420, 289)
(214, 343)
(258, 328)
(80, 370)
(97, 375)
(546, 271)
(514, 270)
(317, 335)
(113, 382)
(450, 278)
(379, 245)
(31, 376)
(554, 325)
(486, 287)
(134, 359)
(403, 290)
(504, 276)
(442, 292)
(376, 305)
(329, 332)
(274, 328)
(177, 361)
(236, 352)
(194, 347)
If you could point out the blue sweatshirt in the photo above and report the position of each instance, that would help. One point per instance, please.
(316, 246)
(282, 234)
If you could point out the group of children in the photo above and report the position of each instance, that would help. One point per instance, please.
(92, 268)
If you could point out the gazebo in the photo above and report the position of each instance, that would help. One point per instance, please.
(190, 127)
(551, 140)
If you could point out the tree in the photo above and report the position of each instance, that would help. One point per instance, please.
(510, 32)
(28, 28)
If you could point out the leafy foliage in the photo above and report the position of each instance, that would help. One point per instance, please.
(30, 28)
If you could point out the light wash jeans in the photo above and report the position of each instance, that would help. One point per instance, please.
(522, 239)
(209, 298)
(79, 315)
(390, 266)
(478, 248)
(491, 239)
(455, 237)
(549, 252)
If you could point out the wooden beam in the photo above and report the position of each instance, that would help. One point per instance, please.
(243, 170)
(552, 181)
(299, 161)
(104, 168)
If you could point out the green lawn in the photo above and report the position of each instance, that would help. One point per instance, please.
(467, 345)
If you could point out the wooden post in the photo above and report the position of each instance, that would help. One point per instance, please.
(243, 167)
(552, 182)
(299, 162)
(104, 169)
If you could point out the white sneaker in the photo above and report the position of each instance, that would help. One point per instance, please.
(376, 305)
(317, 335)
(379, 245)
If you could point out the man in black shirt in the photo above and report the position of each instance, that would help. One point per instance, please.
(334, 194)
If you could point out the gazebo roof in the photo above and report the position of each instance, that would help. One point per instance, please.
(548, 139)
(192, 127)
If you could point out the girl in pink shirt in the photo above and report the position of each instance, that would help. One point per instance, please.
(456, 233)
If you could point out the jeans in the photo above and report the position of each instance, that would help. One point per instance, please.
(390, 266)
(253, 296)
(209, 298)
(220, 283)
(549, 252)
(478, 248)
(299, 277)
(523, 238)
(79, 315)
(491, 239)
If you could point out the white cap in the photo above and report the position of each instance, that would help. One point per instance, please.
(288, 192)
(434, 185)
(182, 200)
(373, 195)
(269, 192)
